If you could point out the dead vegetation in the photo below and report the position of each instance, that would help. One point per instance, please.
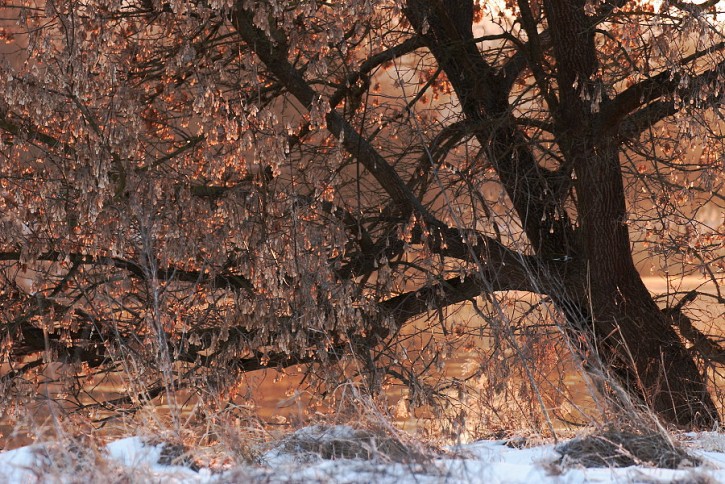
(616, 447)
(342, 442)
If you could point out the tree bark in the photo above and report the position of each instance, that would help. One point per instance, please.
(605, 296)
(633, 337)
(632, 334)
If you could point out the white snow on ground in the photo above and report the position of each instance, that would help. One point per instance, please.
(296, 460)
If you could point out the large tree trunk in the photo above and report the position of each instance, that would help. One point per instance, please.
(633, 336)
(605, 297)
(650, 359)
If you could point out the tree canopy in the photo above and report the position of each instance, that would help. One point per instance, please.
(195, 189)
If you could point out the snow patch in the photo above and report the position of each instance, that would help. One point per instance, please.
(298, 459)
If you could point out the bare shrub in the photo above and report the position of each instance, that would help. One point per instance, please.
(623, 448)
(341, 442)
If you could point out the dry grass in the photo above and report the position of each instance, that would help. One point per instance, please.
(337, 442)
(623, 448)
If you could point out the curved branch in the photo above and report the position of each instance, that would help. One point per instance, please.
(703, 344)
(664, 84)
(274, 56)
(405, 47)
(451, 291)
(233, 281)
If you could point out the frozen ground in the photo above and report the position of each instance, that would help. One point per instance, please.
(341, 455)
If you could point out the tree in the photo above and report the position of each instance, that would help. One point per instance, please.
(199, 186)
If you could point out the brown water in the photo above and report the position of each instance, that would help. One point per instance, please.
(280, 399)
